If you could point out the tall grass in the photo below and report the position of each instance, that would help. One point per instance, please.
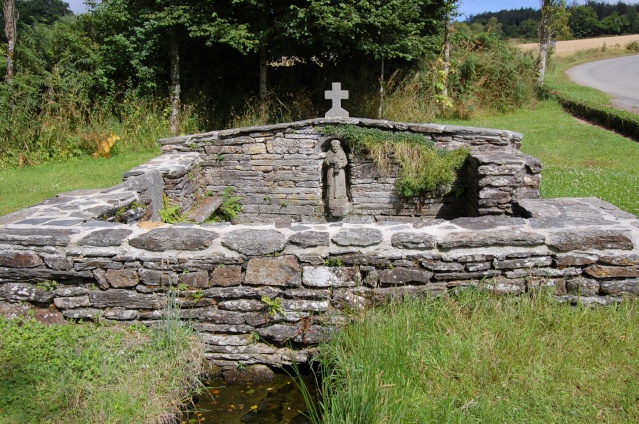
(85, 373)
(475, 358)
(30, 138)
(487, 75)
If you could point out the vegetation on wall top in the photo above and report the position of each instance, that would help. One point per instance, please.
(423, 167)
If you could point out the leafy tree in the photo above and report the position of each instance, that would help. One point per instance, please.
(583, 21)
(135, 33)
(554, 22)
(382, 30)
(512, 20)
(528, 29)
(614, 24)
(197, 21)
(47, 11)
(269, 23)
(450, 11)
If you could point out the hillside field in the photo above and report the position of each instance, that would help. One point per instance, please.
(566, 48)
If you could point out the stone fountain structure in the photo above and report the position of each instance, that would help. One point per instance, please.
(298, 261)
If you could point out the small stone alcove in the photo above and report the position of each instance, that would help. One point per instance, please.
(342, 207)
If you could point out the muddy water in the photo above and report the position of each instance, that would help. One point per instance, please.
(278, 401)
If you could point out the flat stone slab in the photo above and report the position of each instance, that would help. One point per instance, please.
(490, 238)
(203, 211)
(309, 239)
(587, 239)
(361, 237)
(174, 238)
(413, 241)
(488, 222)
(37, 236)
(255, 242)
(105, 238)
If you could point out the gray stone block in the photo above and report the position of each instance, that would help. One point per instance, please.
(174, 238)
(620, 287)
(125, 299)
(581, 239)
(325, 277)
(404, 276)
(362, 237)
(19, 292)
(413, 241)
(309, 239)
(71, 302)
(105, 238)
(255, 242)
(504, 237)
(282, 271)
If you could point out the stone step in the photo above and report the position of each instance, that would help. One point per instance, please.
(201, 213)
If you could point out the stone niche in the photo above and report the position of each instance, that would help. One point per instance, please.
(280, 172)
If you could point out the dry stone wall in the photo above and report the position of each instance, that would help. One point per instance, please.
(277, 170)
(268, 293)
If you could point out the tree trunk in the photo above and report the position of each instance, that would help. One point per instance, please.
(381, 91)
(174, 55)
(263, 71)
(446, 53)
(10, 21)
(543, 58)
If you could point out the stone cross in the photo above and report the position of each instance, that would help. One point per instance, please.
(336, 95)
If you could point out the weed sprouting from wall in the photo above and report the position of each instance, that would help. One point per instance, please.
(230, 207)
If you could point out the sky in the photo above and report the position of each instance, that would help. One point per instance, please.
(77, 6)
(467, 7)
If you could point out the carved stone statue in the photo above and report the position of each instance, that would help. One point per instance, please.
(336, 191)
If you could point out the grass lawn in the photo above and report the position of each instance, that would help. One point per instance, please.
(579, 159)
(87, 373)
(23, 187)
(477, 359)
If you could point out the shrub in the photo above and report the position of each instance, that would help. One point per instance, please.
(633, 46)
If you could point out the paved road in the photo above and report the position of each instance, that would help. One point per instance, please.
(618, 77)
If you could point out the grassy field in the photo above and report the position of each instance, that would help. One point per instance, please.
(570, 47)
(23, 187)
(87, 373)
(477, 359)
(579, 159)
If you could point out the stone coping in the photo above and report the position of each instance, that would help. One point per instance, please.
(553, 225)
(584, 249)
(364, 122)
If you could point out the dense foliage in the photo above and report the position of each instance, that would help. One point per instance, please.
(593, 19)
(142, 69)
